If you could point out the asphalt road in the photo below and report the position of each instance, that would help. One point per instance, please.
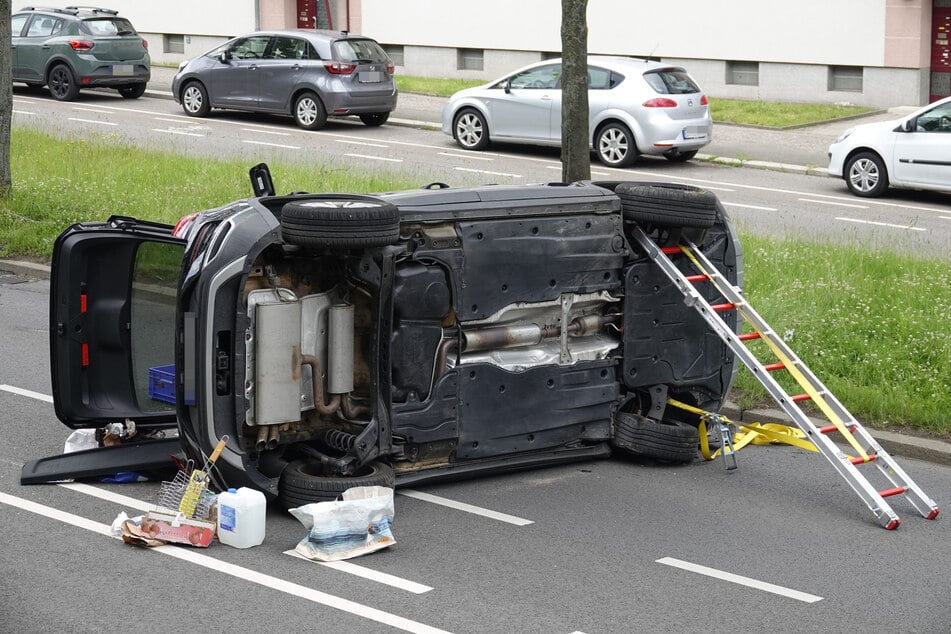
(607, 546)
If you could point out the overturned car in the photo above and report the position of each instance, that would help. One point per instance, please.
(340, 340)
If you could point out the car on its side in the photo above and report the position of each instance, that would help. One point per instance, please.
(78, 47)
(340, 340)
(307, 74)
(635, 107)
(913, 152)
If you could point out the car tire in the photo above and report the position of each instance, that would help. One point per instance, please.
(195, 99)
(615, 145)
(470, 130)
(667, 441)
(132, 91)
(62, 83)
(309, 112)
(346, 222)
(865, 175)
(374, 119)
(667, 204)
(302, 482)
(676, 156)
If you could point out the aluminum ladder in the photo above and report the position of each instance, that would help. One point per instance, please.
(840, 420)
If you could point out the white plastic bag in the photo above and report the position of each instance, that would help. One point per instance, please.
(356, 525)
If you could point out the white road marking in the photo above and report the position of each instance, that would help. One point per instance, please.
(945, 217)
(286, 147)
(462, 506)
(28, 393)
(743, 581)
(881, 224)
(750, 206)
(466, 169)
(239, 572)
(109, 496)
(260, 131)
(467, 156)
(96, 110)
(829, 202)
(92, 121)
(593, 173)
(366, 573)
(181, 132)
(361, 143)
(15, 111)
(375, 158)
(168, 119)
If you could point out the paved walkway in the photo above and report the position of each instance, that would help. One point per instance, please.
(802, 150)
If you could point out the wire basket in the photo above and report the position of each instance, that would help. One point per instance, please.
(176, 496)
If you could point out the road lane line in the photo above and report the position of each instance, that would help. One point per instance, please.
(367, 573)
(168, 119)
(462, 506)
(467, 156)
(743, 581)
(750, 206)
(261, 131)
(375, 158)
(349, 142)
(239, 572)
(96, 110)
(280, 145)
(829, 202)
(28, 393)
(15, 111)
(880, 224)
(181, 132)
(109, 496)
(593, 173)
(92, 121)
(467, 169)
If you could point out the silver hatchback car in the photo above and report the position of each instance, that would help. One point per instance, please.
(308, 74)
(635, 107)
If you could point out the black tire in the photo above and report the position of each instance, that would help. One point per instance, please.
(309, 112)
(676, 156)
(132, 91)
(470, 130)
(302, 482)
(667, 204)
(865, 175)
(195, 99)
(340, 222)
(668, 441)
(615, 145)
(62, 83)
(374, 119)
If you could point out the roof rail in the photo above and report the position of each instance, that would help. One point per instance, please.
(67, 10)
(93, 9)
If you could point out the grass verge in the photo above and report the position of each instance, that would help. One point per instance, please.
(874, 326)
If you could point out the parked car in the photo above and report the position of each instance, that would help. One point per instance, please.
(913, 152)
(636, 107)
(307, 74)
(339, 340)
(78, 47)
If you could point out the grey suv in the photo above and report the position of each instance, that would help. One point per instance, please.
(307, 74)
(78, 47)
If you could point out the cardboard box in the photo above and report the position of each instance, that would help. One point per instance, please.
(177, 529)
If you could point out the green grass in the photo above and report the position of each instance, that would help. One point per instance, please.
(780, 115)
(874, 326)
(434, 86)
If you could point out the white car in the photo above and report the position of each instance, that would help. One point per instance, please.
(913, 152)
(635, 107)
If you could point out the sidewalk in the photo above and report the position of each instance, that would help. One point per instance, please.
(802, 150)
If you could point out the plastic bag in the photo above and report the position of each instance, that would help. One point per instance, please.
(356, 525)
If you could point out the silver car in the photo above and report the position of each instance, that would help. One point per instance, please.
(307, 74)
(635, 107)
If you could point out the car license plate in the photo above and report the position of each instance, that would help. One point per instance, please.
(122, 69)
(370, 77)
(694, 132)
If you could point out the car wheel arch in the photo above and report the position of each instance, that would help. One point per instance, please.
(56, 61)
(632, 126)
(475, 107)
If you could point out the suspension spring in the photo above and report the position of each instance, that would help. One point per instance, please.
(340, 440)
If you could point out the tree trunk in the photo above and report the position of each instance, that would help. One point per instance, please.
(6, 98)
(575, 155)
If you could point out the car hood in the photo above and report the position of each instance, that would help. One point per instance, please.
(876, 128)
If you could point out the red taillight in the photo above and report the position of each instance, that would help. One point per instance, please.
(660, 102)
(340, 68)
(704, 101)
(81, 45)
(145, 43)
(390, 68)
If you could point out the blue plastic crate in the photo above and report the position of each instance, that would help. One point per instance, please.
(162, 383)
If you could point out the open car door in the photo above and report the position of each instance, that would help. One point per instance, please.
(113, 290)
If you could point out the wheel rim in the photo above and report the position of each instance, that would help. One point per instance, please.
(613, 145)
(59, 82)
(192, 99)
(864, 176)
(469, 130)
(306, 112)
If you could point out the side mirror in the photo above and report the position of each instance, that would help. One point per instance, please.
(507, 87)
(909, 126)
(224, 56)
